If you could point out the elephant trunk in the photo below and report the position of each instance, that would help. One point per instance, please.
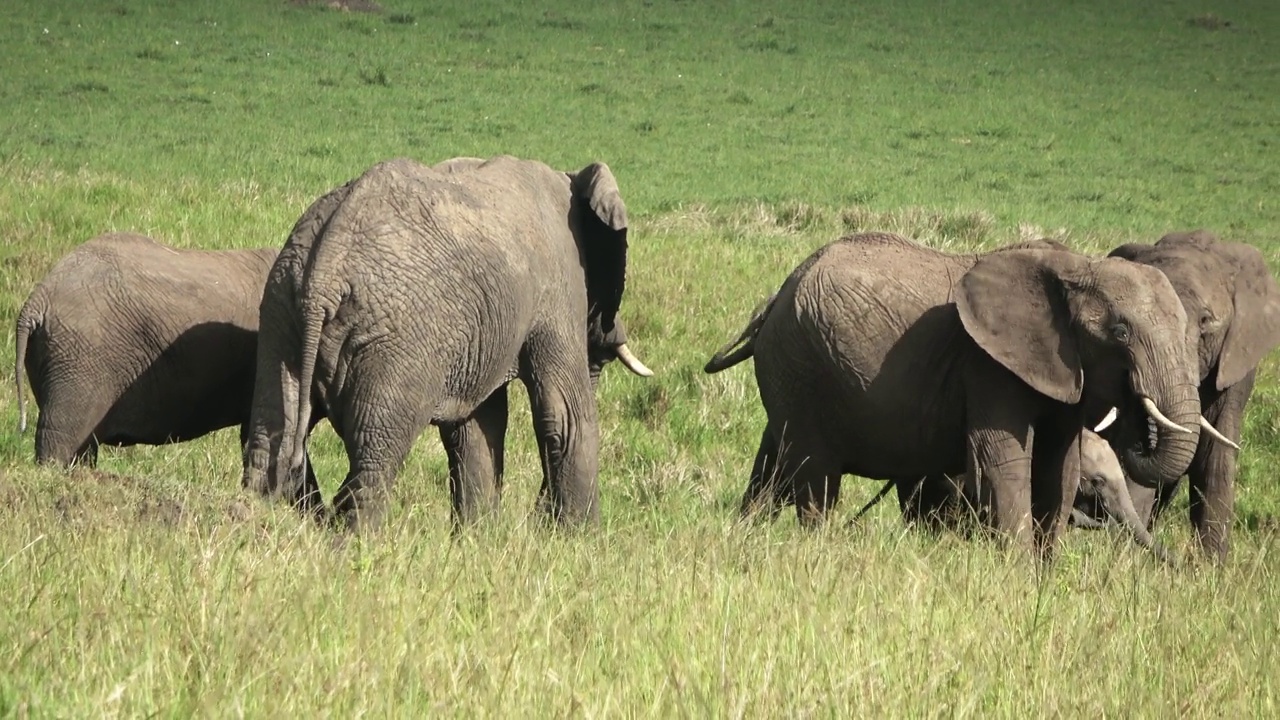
(1119, 506)
(1157, 450)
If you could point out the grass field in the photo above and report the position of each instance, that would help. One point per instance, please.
(743, 134)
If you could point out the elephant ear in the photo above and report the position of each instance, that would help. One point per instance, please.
(1014, 306)
(1255, 323)
(1134, 252)
(601, 219)
(1199, 238)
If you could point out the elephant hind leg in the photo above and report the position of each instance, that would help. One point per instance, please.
(817, 490)
(792, 471)
(767, 491)
(65, 429)
(475, 450)
(378, 436)
(933, 502)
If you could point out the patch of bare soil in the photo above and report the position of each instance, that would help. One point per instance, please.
(364, 6)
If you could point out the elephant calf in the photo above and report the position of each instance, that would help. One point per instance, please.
(128, 341)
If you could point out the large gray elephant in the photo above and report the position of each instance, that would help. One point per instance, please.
(1232, 305)
(129, 341)
(884, 358)
(411, 296)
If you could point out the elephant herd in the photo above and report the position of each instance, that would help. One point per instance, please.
(412, 295)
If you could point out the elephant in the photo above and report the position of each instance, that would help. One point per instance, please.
(884, 358)
(128, 341)
(1232, 305)
(411, 296)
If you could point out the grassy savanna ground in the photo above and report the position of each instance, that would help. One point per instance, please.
(744, 135)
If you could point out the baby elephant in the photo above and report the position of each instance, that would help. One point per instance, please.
(128, 341)
(1102, 492)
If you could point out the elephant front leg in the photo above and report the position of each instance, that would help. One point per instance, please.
(564, 421)
(475, 451)
(1055, 477)
(1213, 471)
(999, 481)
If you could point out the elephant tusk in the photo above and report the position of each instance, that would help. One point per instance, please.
(1213, 433)
(1107, 421)
(631, 361)
(1166, 423)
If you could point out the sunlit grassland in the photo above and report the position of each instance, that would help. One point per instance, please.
(744, 134)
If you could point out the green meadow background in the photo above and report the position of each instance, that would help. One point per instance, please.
(744, 134)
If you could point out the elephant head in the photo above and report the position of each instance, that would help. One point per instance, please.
(1103, 332)
(1232, 305)
(598, 220)
(1231, 300)
(1102, 486)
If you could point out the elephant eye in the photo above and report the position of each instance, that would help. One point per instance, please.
(1120, 332)
(1205, 319)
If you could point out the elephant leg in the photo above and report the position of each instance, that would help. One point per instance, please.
(928, 501)
(87, 455)
(307, 499)
(64, 429)
(1055, 477)
(563, 405)
(815, 480)
(998, 483)
(817, 489)
(766, 491)
(378, 435)
(1213, 471)
(475, 450)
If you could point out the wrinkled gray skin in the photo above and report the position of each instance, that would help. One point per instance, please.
(128, 341)
(1232, 305)
(883, 358)
(411, 296)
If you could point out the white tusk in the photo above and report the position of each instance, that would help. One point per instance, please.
(1106, 421)
(1159, 417)
(1213, 433)
(631, 361)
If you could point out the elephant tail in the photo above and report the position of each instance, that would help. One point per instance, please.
(889, 485)
(312, 323)
(29, 318)
(744, 346)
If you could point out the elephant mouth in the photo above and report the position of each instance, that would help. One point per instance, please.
(1132, 428)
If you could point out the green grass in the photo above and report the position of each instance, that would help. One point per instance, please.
(743, 134)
